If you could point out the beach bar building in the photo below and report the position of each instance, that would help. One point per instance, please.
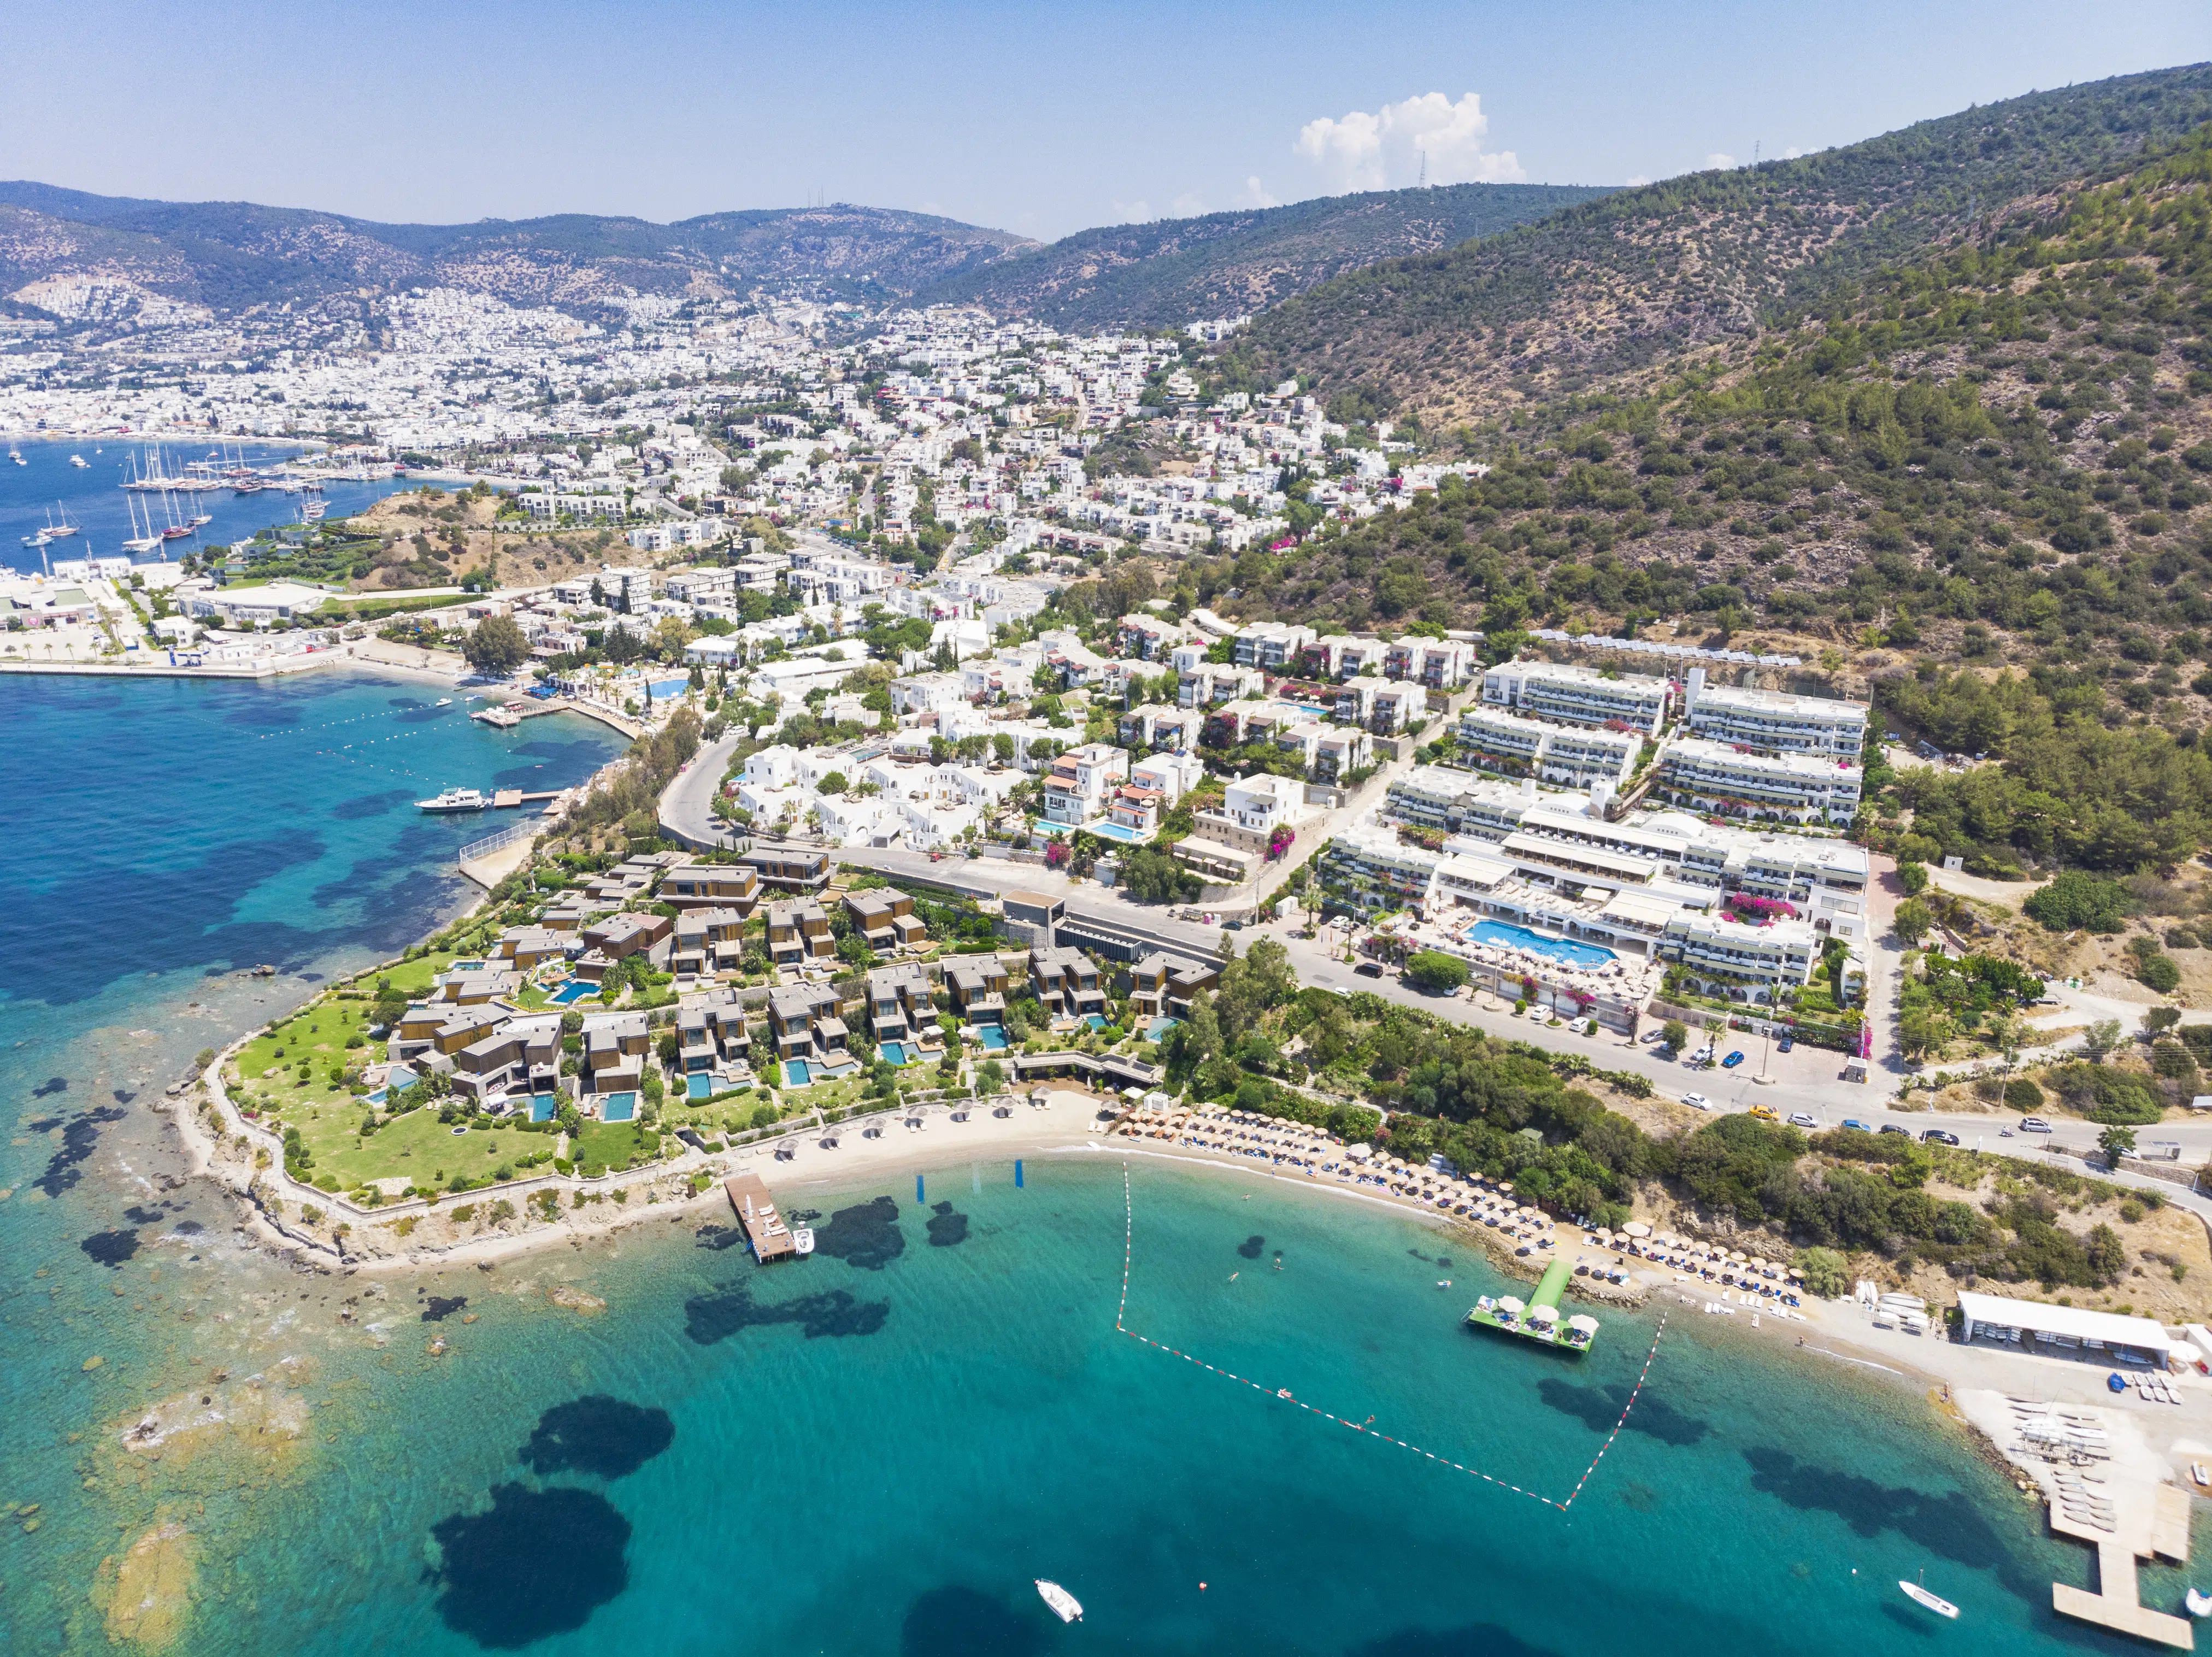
(2063, 1330)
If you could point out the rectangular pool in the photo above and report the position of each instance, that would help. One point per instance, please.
(619, 1107)
(574, 990)
(1107, 829)
(1096, 1021)
(796, 1072)
(1158, 1028)
(899, 1052)
(541, 1107)
(698, 1086)
(1568, 950)
(992, 1037)
(669, 687)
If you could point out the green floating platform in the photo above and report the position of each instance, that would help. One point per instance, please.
(1539, 1320)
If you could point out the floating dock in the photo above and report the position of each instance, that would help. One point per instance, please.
(1539, 1320)
(765, 1232)
(2148, 1522)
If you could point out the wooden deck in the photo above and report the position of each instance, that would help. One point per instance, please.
(2146, 1522)
(768, 1237)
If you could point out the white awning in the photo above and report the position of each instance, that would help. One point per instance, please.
(2077, 1323)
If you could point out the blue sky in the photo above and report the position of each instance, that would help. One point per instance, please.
(1037, 118)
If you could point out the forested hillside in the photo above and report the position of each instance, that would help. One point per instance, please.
(1175, 271)
(1613, 289)
(1978, 481)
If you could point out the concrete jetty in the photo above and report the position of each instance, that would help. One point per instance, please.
(2147, 1521)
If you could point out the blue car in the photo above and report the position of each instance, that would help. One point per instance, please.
(1853, 1121)
(1785, 1044)
(1732, 1061)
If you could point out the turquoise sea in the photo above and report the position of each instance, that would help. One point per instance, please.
(656, 1445)
(92, 498)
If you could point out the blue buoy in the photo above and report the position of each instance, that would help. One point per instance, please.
(918, 1198)
(1018, 1173)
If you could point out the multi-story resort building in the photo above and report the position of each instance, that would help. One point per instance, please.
(799, 934)
(901, 1001)
(885, 918)
(1161, 986)
(1440, 664)
(1652, 887)
(719, 885)
(1574, 756)
(1272, 646)
(1066, 981)
(1798, 786)
(1578, 696)
(1772, 722)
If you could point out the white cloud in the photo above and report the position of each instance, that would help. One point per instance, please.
(1386, 150)
(1186, 206)
(1134, 212)
(1717, 159)
(1256, 197)
(1636, 179)
(1794, 152)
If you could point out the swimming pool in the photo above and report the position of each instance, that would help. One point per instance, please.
(698, 1086)
(541, 1107)
(1095, 1021)
(1569, 950)
(992, 1037)
(467, 966)
(669, 687)
(1157, 1029)
(1107, 829)
(574, 990)
(899, 1052)
(619, 1107)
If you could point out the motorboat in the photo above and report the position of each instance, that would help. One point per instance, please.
(1064, 1605)
(2200, 1605)
(443, 702)
(1933, 1601)
(79, 461)
(456, 799)
(802, 1239)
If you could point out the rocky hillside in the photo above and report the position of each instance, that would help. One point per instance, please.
(70, 253)
(1177, 270)
(1603, 295)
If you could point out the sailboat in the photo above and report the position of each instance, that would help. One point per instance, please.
(175, 529)
(1935, 1602)
(144, 541)
(64, 528)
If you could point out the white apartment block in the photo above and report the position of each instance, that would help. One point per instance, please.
(1440, 664)
(1717, 777)
(1272, 646)
(702, 587)
(1726, 953)
(1773, 722)
(1076, 786)
(1577, 695)
(1573, 756)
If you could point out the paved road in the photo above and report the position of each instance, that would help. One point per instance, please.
(686, 805)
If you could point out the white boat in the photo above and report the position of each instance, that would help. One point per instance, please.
(443, 702)
(56, 530)
(79, 461)
(802, 1238)
(456, 799)
(1064, 1604)
(1935, 1602)
(2200, 1605)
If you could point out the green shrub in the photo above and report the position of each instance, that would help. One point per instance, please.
(1826, 1272)
(2023, 1095)
(2159, 973)
(1436, 973)
(2079, 900)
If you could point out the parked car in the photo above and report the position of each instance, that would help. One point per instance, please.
(1801, 1119)
(2034, 1124)
(1891, 1127)
(1853, 1121)
(1369, 969)
(1232, 926)
(1650, 1036)
(1938, 1136)
(1785, 1044)
(1732, 1061)
(1763, 1113)
(1697, 1101)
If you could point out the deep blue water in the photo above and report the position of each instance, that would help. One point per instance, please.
(92, 498)
(874, 1450)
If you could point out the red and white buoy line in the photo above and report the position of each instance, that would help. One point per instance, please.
(1284, 1394)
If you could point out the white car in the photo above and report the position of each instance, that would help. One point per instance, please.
(1697, 1101)
(1801, 1119)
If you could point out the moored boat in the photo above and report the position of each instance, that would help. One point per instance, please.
(1064, 1605)
(1935, 1602)
(456, 799)
(802, 1239)
(2200, 1605)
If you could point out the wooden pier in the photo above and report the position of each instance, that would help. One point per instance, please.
(508, 797)
(765, 1232)
(2148, 1522)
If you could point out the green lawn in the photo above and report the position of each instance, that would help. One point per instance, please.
(609, 1144)
(417, 1147)
(317, 1034)
(412, 978)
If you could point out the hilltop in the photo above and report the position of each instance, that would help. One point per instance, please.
(1175, 271)
(1974, 484)
(70, 253)
(1604, 295)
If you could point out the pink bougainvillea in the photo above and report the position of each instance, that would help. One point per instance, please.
(1057, 854)
(1761, 910)
(1280, 841)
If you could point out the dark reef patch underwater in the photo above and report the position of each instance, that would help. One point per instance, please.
(599, 1434)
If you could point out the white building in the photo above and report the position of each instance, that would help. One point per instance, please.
(1798, 786)
(1772, 722)
(1577, 695)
